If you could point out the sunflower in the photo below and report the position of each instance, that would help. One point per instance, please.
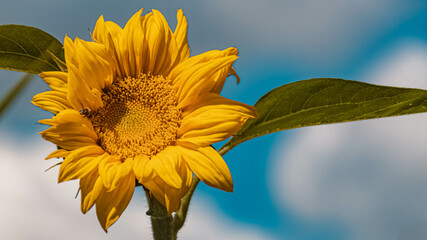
(133, 106)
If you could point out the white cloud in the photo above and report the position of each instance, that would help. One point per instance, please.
(369, 176)
(34, 206)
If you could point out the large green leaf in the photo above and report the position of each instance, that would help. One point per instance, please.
(326, 100)
(28, 49)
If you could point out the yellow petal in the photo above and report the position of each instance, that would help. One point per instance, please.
(56, 80)
(180, 35)
(168, 196)
(157, 189)
(80, 162)
(147, 45)
(52, 101)
(94, 63)
(172, 199)
(92, 60)
(165, 49)
(187, 178)
(67, 116)
(89, 71)
(209, 166)
(176, 74)
(69, 130)
(80, 95)
(213, 118)
(111, 204)
(165, 164)
(108, 33)
(60, 153)
(90, 188)
(201, 77)
(112, 170)
(133, 45)
(143, 171)
(220, 77)
(69, 51)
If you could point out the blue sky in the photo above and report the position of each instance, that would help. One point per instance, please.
(361, 180)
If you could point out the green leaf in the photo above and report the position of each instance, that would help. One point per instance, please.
(324, 101)
(26, 49)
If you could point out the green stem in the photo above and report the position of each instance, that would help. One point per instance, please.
(16, 90)
(224, 149)
(181, 214)
(161, 221)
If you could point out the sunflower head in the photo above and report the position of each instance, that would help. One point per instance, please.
(134, 106)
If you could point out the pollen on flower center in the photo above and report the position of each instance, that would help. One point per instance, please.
(139, 116)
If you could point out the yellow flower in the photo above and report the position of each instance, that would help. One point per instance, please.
(134, 106)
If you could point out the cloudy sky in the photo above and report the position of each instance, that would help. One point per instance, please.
(361, 180)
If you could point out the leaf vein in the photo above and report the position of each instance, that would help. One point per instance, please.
(332, 105)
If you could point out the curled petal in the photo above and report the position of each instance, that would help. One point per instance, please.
(69, 130)
(201, 74)
(56, 80)
(80, 162)
(52, 101)
(165, 164)
(89, 71)
(90, 187)
(108, 33)
(147, 45)
(180, 35)
(209, 166)
(143, 171)
(176, 74)
(165, 50)
(80, 95)
(112, 170)
(92, 60)
(60, 153)
(213, 118)
(133, 52)
(111, 204)
(169, 196)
